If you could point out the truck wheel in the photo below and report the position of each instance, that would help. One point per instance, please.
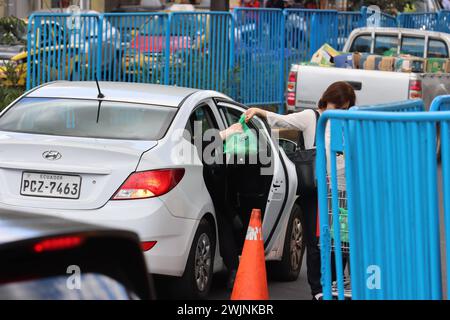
(197, 277)
(290, 265)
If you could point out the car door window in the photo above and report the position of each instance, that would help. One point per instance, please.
(413, 45)
(385, 43)
(437, 49)
(362, 44)
(203, 115)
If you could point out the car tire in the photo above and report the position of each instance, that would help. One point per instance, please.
(197, 278)
(288, 269)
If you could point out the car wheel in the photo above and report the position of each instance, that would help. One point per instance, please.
(290, 265)
(197, 277)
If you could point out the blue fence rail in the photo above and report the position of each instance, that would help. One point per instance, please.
(245, 54)
(392, 201)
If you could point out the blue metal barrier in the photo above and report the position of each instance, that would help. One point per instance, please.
(347, 22)
(246, 55)
(444, 21)
(393, 213)
(139, 47)
(62, 47)
(259, 55)
(440, 103)
(388, 21)
(422, 21)
(404, 106)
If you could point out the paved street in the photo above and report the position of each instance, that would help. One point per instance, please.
(298, 290)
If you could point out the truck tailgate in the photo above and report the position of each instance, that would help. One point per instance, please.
(373, 86)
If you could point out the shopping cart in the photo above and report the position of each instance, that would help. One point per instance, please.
(344, 236)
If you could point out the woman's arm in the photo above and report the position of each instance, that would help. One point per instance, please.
(233, 129)
(299, 120)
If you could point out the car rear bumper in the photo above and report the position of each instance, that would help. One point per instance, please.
(149, 218)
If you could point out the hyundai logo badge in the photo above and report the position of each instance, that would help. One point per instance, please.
(51, 155)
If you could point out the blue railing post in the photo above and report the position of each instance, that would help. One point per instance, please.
(29, 57)
(99, 75)
(363, 21)
(282, 57)
(167, 49)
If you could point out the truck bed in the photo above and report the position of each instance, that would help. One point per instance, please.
(371, 86)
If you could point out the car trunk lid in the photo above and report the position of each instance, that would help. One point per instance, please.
(99, 165)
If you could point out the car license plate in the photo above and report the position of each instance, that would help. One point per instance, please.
(50, 185)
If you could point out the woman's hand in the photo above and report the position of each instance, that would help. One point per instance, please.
(233, 129)
(250, 113)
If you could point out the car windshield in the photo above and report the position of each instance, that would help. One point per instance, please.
(89, 286)
(78, 118)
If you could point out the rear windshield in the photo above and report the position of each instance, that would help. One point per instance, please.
(78, 118)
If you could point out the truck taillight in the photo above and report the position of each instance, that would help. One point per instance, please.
(290, 99)
(291, 86)
(148, 184)
(415, 89)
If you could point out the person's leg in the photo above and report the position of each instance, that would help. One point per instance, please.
(217, 186)
(308, 204)
(227, 242)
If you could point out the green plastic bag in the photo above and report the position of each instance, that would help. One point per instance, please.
(243, 143)
(343, 223)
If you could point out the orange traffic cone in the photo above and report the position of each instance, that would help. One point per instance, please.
(251, 279)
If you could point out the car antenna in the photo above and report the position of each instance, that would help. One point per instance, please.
(100, 96)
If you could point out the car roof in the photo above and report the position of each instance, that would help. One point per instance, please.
(16, 227)
(402, 30)
(145, 93)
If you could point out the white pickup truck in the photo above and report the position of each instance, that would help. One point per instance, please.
(307, 83)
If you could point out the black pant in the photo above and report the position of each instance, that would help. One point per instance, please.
(308, 204)
(216, 182)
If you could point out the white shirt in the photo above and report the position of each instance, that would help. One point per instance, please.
(305, 121)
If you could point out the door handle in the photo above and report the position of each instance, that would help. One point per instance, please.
(276, 185)
(357, 85)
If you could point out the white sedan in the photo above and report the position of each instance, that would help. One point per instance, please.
(122, 158)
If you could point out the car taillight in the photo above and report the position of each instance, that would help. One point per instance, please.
(415, 89)
(148, 184)
(290, 95)
(147, 245)
(54, 244)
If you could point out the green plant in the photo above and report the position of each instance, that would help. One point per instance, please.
(12, 31)
(8, 95)
(12, 73)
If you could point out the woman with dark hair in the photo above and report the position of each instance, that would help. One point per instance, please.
(339, 95)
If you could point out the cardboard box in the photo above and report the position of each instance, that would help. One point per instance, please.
(438, 65)
(408, 63)
(346, 60)
(386, 64)
(369, 61)
(325, 55)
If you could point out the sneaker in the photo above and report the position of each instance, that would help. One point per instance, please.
(318, 296)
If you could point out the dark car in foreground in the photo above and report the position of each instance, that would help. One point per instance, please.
(47, 258)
